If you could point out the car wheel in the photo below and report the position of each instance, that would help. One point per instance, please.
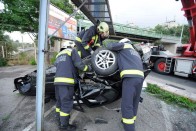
(104, 61)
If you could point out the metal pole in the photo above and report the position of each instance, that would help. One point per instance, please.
(3, 51)
(40, 81)
(80, 26)
(67, 19)
(181, 34)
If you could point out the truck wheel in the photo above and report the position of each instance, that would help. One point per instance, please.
(160, 65)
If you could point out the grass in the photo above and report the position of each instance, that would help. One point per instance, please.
(171, 98)
(6, 118)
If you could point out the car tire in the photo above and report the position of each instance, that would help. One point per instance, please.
(104, 61)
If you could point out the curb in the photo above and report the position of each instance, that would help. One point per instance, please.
(191, 96)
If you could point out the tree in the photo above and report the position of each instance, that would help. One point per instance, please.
(174, 31)
(22, 15)
(7, 44)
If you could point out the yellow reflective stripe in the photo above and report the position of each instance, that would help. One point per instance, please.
(63, 114)
(131, 72)
(128, 46)
(63, 79)
(78, 39)
(57, 109)
(80, 53)
(97, 45)
(96, 38)
(128, 121)
(86, 47)
(85, 68)
(64, 52)
(134, 118)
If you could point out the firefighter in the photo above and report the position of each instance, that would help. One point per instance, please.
(88, 40)
(67, 60)
(131, 73)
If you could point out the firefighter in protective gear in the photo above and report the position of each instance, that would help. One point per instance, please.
(67, 60)
(88, 40)
(131, 73)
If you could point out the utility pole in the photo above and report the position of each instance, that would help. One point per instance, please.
(3, 53)
(40, 81)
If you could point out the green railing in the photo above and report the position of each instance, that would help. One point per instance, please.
(135, 31)
(120, 28)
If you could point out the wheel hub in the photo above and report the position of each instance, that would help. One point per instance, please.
(104, 59)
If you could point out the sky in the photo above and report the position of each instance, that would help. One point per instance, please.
(146, 13)
(142, 13)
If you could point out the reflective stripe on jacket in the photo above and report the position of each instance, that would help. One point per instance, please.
(66, 63)
(129, 61)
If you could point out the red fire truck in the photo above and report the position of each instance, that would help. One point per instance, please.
(184, 64)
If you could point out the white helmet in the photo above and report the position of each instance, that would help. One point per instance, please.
(103, 27)
(67, 44)
(125, 40)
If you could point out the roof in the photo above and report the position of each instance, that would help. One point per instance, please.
(99, 10)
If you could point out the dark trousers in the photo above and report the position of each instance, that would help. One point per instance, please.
(131, 90)
(84, 53)
(64, 101)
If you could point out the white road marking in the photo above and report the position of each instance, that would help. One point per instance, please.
(28, 128)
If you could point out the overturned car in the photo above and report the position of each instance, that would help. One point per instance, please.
(96, 88)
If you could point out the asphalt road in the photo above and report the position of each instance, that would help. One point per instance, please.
(17, 112)
(188, 84)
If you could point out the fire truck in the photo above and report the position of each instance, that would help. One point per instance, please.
(184, 64)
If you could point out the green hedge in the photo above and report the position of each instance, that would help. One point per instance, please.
(3, 62)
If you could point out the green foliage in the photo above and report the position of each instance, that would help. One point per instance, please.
(32, 61)
(5, 118)
(52, 60)
(63, 5)
(174, 31)
(171, 98)
(20, 15)
(3, 62)
(23, 15)
(8, 45)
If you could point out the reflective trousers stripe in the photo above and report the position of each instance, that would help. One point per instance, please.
(78, 39)
(63, 114)
(85, 68)
(128, 121)
(134, 118)
(57, 109)
(64, 80)
(131, 72)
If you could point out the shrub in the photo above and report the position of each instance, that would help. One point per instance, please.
(3, 62)
(52, 60)
(32, 61)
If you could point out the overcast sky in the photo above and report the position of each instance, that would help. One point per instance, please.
(146, 13)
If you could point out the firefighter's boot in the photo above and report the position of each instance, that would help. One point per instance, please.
(66, 126)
